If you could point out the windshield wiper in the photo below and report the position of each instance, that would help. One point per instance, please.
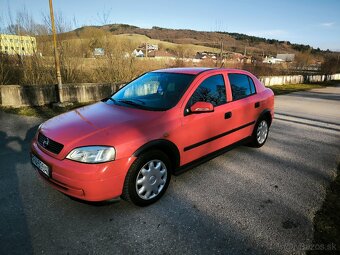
(144, 107)
(113, 100)
(130, 102)
(136, 99)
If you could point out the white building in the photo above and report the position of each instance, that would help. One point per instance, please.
(272, 60)
(137, 53)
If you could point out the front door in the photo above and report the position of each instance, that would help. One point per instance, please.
(201, 131)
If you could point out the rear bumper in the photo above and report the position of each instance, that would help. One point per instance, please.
(91, 182)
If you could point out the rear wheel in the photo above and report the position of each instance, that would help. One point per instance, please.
(260, 133)
(147, 179)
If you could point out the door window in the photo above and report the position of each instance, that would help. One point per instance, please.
(211, 90)
(241, 85)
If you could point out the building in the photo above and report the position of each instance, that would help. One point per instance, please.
(17, 45)
(138, 53)
(149, 46)
(286, 57)
(272, 60)
(206, 55)
(98, 52)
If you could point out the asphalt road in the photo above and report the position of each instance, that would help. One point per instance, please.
(247, 201)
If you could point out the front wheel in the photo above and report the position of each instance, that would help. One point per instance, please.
(147, 179)
(260, 133)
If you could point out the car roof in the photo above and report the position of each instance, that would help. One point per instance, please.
(196, 70)
(184, 70)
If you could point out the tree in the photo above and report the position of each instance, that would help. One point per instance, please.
(331, 64)
(303, 59)
(61, 24)
(104, 17)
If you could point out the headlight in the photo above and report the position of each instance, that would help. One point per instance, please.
(92, 154)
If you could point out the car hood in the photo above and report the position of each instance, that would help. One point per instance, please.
(81, 126)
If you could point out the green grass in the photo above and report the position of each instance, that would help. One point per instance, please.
(289, 88)
(45, 112)
(327, 221)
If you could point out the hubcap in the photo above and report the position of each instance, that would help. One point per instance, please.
(262, 132)
(151, 179)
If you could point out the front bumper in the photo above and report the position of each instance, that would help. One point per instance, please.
(91, 182)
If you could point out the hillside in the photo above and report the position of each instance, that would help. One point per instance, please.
(231, 41)
(176, 48)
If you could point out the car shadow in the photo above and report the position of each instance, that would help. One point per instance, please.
(14, 231)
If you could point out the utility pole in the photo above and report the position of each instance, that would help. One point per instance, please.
(56, 55)
(221, 49)
(146, 50)
(221, 54)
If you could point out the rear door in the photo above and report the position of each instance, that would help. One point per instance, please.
(244, 105)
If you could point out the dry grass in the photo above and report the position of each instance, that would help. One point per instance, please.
(137, 39)
(44, 112)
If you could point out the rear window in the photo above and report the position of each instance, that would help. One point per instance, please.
(241, 86)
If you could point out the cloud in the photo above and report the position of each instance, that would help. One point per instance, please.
(327, 24)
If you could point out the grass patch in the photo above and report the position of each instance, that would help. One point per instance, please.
(138, 39)
(327, 221)
(45, 112)
(289, 88)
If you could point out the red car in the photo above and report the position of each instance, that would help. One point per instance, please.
(159, 124)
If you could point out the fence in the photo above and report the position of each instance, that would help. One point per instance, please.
(297, 79)
(17, 95)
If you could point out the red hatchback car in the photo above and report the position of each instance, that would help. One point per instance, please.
(159, 124)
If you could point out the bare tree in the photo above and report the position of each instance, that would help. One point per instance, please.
(104, 17)
(2, 21)
(62, 25)
(331, 64)
(25, 22)
(21, 23)
(75, 22)
(10, 28)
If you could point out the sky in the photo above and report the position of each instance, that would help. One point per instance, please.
(313, 22)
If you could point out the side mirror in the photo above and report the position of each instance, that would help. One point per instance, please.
(200, 107)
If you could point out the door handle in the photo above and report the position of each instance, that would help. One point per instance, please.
(227, 115)
(257, 104)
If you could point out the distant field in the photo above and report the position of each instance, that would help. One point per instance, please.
(139, 39)
(74, 48)
(77, 46)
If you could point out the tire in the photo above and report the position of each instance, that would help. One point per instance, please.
(260, 133)
(148, 178)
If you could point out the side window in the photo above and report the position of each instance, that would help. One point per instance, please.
(241, 85)
(211, 90)
(252, 85)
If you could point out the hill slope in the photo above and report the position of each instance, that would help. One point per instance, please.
(229, 41)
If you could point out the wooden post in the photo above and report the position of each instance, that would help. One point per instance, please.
(56, 55)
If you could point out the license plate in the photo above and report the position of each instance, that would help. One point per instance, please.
(41, 165)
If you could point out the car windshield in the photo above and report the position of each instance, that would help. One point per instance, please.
(155, 91)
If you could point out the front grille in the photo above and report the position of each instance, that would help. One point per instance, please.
(49, 144)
